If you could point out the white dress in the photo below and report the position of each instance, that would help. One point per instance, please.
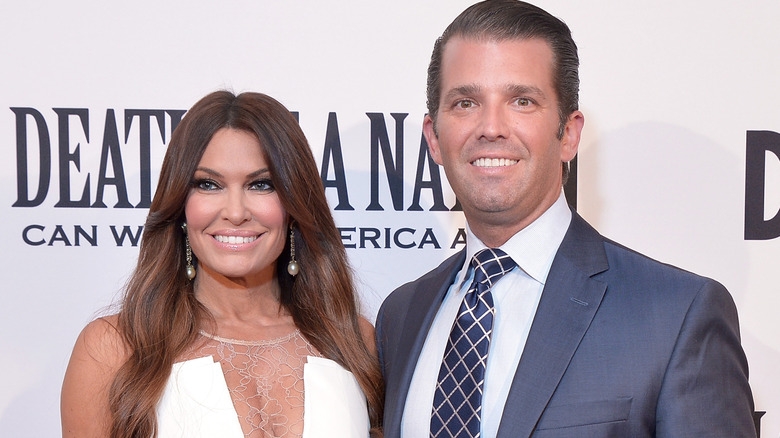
(278, 388)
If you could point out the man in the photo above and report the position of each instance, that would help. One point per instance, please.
(577, 335)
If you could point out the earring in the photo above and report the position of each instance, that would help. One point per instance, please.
(188, 250)
(292, 267)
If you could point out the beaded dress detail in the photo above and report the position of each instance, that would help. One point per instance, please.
(264, 379)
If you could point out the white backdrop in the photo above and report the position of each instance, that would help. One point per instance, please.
(669, 91)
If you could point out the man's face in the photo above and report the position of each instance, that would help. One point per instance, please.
(497, 126)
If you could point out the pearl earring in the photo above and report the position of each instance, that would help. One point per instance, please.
(292, 267)
(188, 250)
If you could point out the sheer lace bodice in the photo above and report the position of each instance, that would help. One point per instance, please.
(260, 389)
(265, 380)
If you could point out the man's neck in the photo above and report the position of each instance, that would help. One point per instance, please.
(496, 233)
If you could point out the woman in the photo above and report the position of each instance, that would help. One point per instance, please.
(241, 283)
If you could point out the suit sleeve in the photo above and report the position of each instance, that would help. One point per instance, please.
(705, 390)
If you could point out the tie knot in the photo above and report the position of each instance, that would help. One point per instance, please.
(490, 265)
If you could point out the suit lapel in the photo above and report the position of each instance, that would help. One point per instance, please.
(428, 295)
(567, 306)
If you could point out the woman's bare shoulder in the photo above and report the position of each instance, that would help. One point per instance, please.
(98, 354)
(102, 342)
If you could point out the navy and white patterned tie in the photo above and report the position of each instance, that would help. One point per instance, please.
(457, 402)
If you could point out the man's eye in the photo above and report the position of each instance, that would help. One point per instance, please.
(465, 104)
(524, 101)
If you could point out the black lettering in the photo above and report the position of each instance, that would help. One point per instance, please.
(119, 238)
(59, 236)
(397, 240)
(44, 164)
(145, 148)
(111, 148)
(757, 145)
(66, 156)
(333, 150)
(26, 237)
(460, 238)
(434, 183)
(369, 235)
(347, 237)
(457, 206)
(429, 238)
(176, 116)
(395, 172)
(91, 238)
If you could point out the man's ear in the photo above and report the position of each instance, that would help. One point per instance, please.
(432, 139)
(571, 136)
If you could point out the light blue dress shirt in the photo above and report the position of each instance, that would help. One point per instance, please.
(516, 297)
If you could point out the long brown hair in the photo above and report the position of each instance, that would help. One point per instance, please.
(160, 316)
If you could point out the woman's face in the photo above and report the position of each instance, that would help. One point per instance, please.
(235, 222)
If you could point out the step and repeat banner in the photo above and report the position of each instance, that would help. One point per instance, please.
(680, 156)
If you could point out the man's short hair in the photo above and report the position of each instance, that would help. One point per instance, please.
(509, 20)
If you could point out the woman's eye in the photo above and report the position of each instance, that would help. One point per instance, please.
(264, 185)
(206, 184)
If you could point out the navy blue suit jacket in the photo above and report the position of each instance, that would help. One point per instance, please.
(621, 346)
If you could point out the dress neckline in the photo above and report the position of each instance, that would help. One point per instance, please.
(258, 343)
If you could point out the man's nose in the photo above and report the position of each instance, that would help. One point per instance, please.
(494, 122)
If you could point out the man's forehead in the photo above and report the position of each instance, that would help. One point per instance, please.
(533, 51)
(543, 47)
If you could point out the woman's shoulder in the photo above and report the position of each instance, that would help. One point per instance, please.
(97, 355)
(102, 341)
(100, 349)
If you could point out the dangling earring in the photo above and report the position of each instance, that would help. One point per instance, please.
(292, 267)
(188, 250)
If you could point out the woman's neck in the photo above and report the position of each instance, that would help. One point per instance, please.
(246, 308)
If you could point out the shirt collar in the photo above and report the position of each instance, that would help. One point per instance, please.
(534, 247)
